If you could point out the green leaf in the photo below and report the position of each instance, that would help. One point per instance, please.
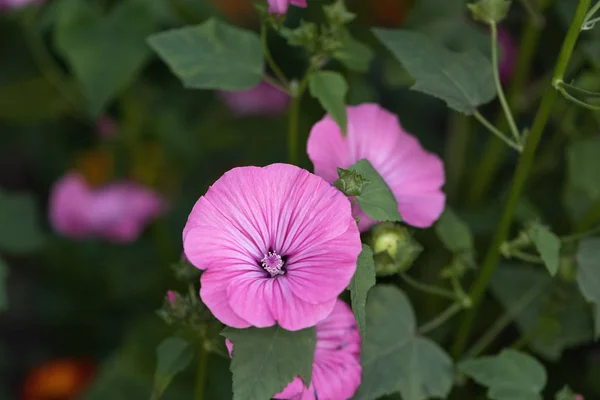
(3, 272)
(174, 354)
(31, 100)
(212, 55)
(105, 52)
(330, 89)
(582, 165)
(511, 375)
(588, 276)
(548, 245)
(355, 55)
(376, 198)
(463, 80)
(393, 358)
(266, 360)
(454, 232)
(19, 229)
(554, 314)
(362, 281)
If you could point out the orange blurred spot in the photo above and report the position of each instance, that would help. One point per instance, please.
(238, 11)
(390, 13)
(96, 166)
(58, 380)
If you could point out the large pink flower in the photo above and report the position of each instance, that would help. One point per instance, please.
(336, 369)
(117, 212)
(278, 244)
(262, 99)
(281, 6)
(414, 175)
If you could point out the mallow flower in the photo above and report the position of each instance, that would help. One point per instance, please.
(414, 175)
(281, 6)
(117, 212)
(278, 245)
(336, 369)
(262, 100)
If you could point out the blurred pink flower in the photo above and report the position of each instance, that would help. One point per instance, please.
(263, 99)
(171, 297)
(13, 4)
(106, 127)
(281, 6)
(414, 175)
(508, 55)
(336, 369)
(278, 244)
(117, 212)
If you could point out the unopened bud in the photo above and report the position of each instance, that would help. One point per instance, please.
(337, 14)
(350, 183)
(490, 11)
(394, 248)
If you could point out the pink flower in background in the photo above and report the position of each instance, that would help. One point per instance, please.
(12, 4)
(171, 297)
(106, 127)
(414, 175)
(281, 6)
(508, 55)
(117, 212)
(278, 244)
(336, 369)
(263, 99)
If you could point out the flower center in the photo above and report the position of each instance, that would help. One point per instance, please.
(273, 264)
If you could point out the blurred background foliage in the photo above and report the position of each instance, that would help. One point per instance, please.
(69, 66)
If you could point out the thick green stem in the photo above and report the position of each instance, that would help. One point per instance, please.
(494, 151)
(201, 372)
(526, 159)
(294, 119)
(456, 152)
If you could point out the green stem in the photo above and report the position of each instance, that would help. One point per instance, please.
(440, 319)
(526, 159)
(270, 60)
(578, 236)
(574, 99)
(505, 320)
(201, 373)
(588, 22)
(496, 132)
(492, 155)
(456, 152)
(426, 288)
(507, 112)
(529, 258)
(275, 84)
(294, 119)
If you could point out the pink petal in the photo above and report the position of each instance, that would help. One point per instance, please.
(263, 99)
(213, 291)
(249, 295)
(295, 388)
(68, 201)
(299, 3)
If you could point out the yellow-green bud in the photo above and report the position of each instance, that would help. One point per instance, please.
(394, 248)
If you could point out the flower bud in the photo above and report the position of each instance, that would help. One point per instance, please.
(490, 11)
(394, 248)
(350, 183)
(337, 14)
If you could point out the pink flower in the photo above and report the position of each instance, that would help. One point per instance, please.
(106, 127)
(336, 369)
(508, 55)
(171, 297)
(117, 212)
(262, 99)
(281, 6)
(278, 244)
(13, 4)
(414, 175)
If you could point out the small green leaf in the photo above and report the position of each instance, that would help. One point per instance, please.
(588, 276)
(355, 55)
(19, 229)
(454, 232)
(212, 55)
(3, 272)
(376, 198)
(337, 14)
(362, 281)
(582, 165)
(490, 10)
(511, 375)
(266, 360)
(330, 89)
(548, 245)
(174, 354)
(463, 80)
(105, 52)
(393, 358)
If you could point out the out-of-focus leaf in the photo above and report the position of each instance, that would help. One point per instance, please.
(548, 245)
(330, 89)
(453, 232)
(583, 165)
(3, 271)
(280, 355)
(19, 229)
(31, 100)
(588, 276)
(355, 55)
(394, 358)
(212, 55)
(105, 52)
(376, 198)
(173, 355)
(362, 281)
(463, 80)
(556, 317)
(511, 375)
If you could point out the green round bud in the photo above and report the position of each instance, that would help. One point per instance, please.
(394, 248)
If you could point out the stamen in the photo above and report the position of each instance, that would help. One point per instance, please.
(273, 264)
